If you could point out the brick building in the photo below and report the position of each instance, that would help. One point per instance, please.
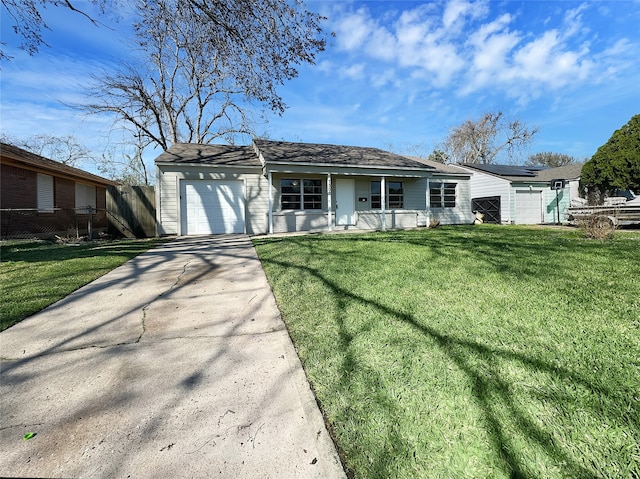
(41, 198)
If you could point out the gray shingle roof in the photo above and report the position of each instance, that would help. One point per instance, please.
(441, 167)
(218, 155)
(51, 166)
(506, 170)
(568, 172)
(334, 155)
(529, 173)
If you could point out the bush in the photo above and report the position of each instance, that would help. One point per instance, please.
(598, 227)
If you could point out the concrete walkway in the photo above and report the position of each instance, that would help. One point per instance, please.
(176, 364)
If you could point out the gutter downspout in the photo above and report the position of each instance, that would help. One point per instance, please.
(383, 202)
(270, 203)
(329, 205)
(158, 194)
(428, 202)
(510, 205)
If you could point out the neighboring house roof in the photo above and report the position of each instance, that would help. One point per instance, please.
(567, 172)
(528, 173)
(441, 167)
(25, 159)
(215, 155)
(282, 152)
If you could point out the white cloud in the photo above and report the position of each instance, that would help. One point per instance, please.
(573, 21)
(546, 60)
(491, 46)
(456, 10)
(382, 45)
(384, 78)
(459, 45)
(354, 72)
(353, 29)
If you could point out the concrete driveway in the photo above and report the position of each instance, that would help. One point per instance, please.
(176, 364)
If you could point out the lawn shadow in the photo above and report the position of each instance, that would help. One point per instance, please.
(478, 361)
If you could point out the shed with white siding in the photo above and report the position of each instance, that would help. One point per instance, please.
(512, 194)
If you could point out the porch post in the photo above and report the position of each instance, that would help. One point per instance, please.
(428, 202)
(329, 205)
(383, 202)
(270, 203)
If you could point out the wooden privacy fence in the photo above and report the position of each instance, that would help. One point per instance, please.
(131, 211)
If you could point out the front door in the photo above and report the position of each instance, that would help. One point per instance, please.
(345, 202)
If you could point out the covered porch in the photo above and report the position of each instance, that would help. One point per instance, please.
(343, 200)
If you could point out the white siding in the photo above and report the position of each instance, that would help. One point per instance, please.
(415, 197)
(168, 185)
(462, 213)
(483, 186)
(292, 221)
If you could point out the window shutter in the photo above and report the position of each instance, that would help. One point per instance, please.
(45, 193)
(85, 196)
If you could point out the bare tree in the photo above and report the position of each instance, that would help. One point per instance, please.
(64, 149)
(419, 150)
(481, 141)
(127, 164)
(207, 60)
(547, 158)
(28, 21)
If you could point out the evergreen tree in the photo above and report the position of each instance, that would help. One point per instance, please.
(616, 164)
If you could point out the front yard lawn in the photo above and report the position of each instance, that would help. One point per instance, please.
(487, 351)
(35, 274)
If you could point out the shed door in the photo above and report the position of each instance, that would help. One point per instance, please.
(489, 207)
(528, 207)
(211, 207)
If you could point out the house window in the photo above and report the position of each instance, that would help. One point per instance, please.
(85, 197)
(449, 195)
(300, 194)
(312, 197)
(376, 201)
(395, 195)
(45, 193)
(442, 195)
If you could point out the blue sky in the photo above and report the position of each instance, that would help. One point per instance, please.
(397, 75)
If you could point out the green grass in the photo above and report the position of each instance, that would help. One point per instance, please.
(504, 352)
(35, 274)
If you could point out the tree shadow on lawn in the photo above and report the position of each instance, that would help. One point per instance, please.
(492, 390)
(44, 251)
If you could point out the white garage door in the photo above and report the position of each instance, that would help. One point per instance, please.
(528, 207)
(211, 207)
